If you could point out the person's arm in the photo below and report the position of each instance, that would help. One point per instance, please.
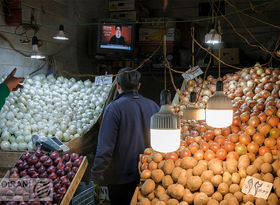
(107, 139)
(10, 84)
(4, 93)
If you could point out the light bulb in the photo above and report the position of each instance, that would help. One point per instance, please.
(213, 37)
(165, 126)
(35, 50)
(61, 35)
(219, 112)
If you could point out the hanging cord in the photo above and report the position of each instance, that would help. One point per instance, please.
(12, 46)
(219, 63)
(192, 33)
(164, 63)
(257, 19)
(204, 78)
(241, 36)
(214, 55)
(110, 75)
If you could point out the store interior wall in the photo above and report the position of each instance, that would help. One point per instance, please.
(69, 55)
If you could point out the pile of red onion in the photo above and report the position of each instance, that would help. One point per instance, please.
(60, 169)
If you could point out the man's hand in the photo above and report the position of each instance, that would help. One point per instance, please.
(12, 82)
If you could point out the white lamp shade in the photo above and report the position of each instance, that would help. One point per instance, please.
(193, 113)
(219, 110)
(35, 53)
(219, 118)
(213, 37)
(164, 140)
(61, 36)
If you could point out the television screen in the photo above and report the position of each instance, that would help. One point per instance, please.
(114, 36)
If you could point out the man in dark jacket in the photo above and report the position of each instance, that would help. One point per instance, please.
(10, 84)
(123, 135)
(118, 38)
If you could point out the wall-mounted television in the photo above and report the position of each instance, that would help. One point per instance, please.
(115, 38)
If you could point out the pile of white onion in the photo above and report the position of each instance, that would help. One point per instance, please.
(47, 107)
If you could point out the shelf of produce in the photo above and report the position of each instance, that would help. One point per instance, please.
(75, 182)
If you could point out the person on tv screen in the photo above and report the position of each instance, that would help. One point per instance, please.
(118, 38)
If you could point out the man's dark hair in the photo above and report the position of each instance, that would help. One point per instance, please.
(128, 80)
(118, 25)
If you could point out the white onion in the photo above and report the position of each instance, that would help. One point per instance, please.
(14, 146)
(47, 106)
(5, 145)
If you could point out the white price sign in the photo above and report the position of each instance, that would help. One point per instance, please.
(100, 80)
(256, 187)
(192, 73)
(103, 193)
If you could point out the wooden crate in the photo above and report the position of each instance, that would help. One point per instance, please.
(8, 161)
(75, 182)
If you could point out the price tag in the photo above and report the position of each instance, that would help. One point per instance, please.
(256, 187)
(192, 73)
(100, 80)
(103, 193)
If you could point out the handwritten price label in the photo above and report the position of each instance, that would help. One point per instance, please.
(192, 73)
(256, 187)
(100, 80)
(103, 193)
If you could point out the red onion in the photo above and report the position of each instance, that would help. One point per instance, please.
(52, 176)
(48, 163)
(14, 175)
(44, 158)
(25, 165)
(51, 169)
(36, 175)
(74, 156)
(66, 182)
(54, 155)
(67, 169)
(57, 160)
(38, 152)
(69, 164)
(70, 175)
(23, 203)
(66, 157)
(41, 170)
(60, 172)
(60, 166)
(19, 162)
(14, 170)
(57, 186)
(44, 175)
(31, 171)
(62, 190)
(75, 169)
(23, 173)
(77, 162)
(33, 160)
(38, 165)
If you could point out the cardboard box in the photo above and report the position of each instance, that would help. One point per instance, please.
(155, 34)
(228, 55)
(124, 5)
(123, 15)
